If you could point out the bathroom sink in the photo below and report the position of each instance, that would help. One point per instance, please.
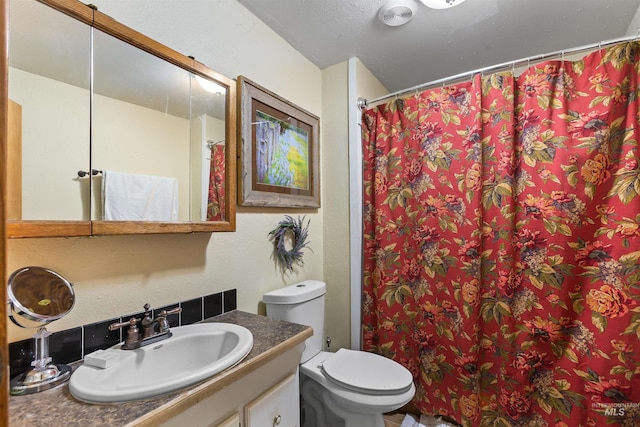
(194, 353)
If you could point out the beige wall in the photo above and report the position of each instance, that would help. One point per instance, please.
(367, 85)
(335, 196)
(117, 275)
(338, 191)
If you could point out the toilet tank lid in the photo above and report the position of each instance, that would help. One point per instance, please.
(293, 294)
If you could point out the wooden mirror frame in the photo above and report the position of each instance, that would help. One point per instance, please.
(4, 94)
(108, 25)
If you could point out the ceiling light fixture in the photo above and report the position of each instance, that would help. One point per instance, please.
(441, 4)
(397, 12)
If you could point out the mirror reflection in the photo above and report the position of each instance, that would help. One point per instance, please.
(152, 132)
(49, 79)
(40, 295)
(140, 135)
(208, 143)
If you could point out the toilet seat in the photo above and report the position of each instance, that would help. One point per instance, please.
(368, 373)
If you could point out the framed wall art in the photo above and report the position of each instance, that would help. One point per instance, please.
(279, 153)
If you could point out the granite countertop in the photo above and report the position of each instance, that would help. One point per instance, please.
(57, 407)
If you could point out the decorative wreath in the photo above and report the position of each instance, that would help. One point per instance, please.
(299, 233)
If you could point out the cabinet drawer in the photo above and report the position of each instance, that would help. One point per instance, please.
(277, 407)
(232, 421)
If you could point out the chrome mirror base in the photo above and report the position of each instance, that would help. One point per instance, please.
(35, 380)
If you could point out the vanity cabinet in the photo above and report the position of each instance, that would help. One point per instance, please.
(87, 96)
(267, 397)
(278, 406)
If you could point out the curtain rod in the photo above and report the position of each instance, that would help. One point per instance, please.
(364, 103)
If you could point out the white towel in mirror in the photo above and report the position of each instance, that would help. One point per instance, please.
(133, 197)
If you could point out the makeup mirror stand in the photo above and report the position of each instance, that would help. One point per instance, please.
(37, 297)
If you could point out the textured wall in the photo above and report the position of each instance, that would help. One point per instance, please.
(117, 275)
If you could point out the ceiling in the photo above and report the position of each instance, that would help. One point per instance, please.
(440, 43)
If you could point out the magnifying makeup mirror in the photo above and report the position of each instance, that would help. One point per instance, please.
(37, 297)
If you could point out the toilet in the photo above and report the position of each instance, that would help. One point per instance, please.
(348, 388)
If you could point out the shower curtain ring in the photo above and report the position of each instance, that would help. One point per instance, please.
(600, 49)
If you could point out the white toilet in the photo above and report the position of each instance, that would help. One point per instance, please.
(348, 388)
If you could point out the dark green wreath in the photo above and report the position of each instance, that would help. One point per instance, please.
(299, 233)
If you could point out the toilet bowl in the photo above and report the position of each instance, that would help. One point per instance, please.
(356, 386)
(348, 388)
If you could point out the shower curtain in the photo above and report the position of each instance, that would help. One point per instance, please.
(502, 243)
(216, 204)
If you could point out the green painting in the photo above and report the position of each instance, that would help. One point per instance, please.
(282, 153)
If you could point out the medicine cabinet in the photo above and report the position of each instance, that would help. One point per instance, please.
(107, 127)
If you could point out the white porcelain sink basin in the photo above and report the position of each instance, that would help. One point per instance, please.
(192, 354)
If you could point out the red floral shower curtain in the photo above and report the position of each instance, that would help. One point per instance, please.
(216, 200)
(502, 243)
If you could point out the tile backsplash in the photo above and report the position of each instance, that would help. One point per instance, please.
(73, 344)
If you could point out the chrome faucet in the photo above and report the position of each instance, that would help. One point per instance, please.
(153, 330)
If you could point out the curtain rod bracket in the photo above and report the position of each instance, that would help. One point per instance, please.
(362, 103)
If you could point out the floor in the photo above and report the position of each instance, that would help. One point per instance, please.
(393, 420)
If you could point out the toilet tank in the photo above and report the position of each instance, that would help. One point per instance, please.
(302, 303)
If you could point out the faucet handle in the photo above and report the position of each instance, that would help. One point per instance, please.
(165, 313)
(163, 323)
(133, 334)
(130, 322)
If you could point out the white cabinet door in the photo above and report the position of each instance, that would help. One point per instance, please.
(277, 407)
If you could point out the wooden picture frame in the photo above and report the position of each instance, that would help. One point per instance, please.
(279, 151)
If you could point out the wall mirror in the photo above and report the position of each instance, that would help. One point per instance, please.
(112, 132)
